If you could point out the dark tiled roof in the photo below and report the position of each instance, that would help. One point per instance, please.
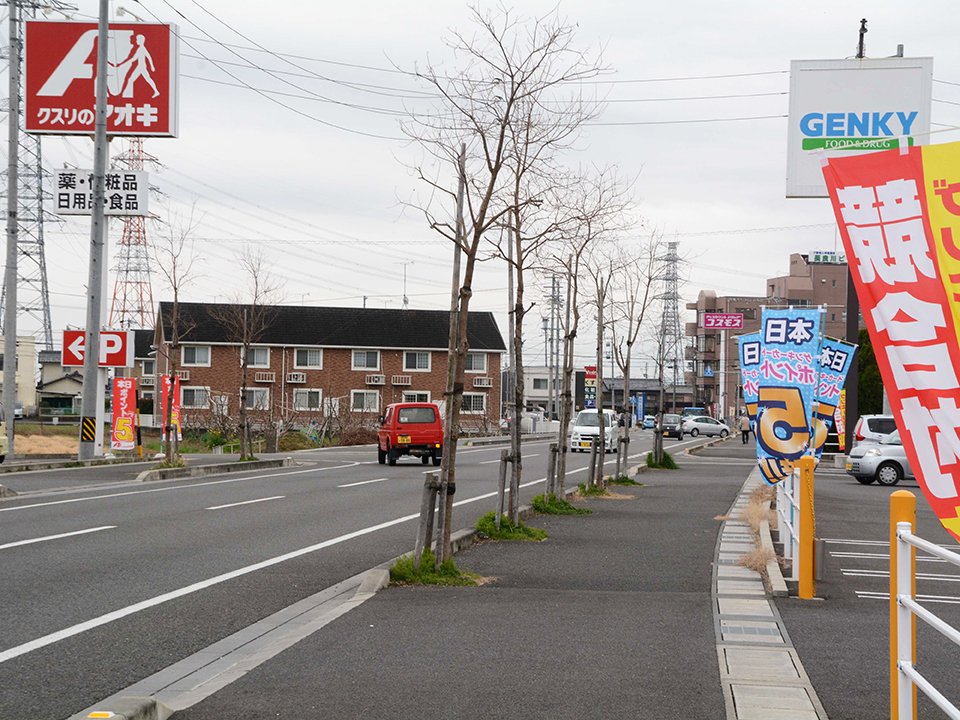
(339, 327)
(142, 342)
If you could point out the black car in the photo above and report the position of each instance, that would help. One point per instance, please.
(671, 426)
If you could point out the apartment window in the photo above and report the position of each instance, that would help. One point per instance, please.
(256, 398)
(416, 361)
(834, 283)
(331, 406)
(195, 355)
(416, 396)
(307, 399)
(475, 362)
(308, 358)
(474, 403)
(540, 384)
(364, 400)
(366, 360)
(258, 357)
(195, 397)
(148, 367)
(749, 313)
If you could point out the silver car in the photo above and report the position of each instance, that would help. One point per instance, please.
(704, 425)
(885, 461)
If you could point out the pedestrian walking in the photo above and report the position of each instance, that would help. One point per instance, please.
(744, 428)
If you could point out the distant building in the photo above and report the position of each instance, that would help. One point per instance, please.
(59, 390)
(26, 362)
(817, 279)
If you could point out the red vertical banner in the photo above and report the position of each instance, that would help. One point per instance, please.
(880, 203)
(123, 433)
(164, 397)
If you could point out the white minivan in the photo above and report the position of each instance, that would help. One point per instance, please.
(586, 427)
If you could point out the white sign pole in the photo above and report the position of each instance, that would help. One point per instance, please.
(723, 375)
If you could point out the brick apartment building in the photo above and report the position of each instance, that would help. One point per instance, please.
(314, 361)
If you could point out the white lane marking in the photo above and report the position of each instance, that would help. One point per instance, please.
(82, 627)
(245, 502)
(175, 487)
(362, 482)
(56, 537)
(945, 599)
(488, 462)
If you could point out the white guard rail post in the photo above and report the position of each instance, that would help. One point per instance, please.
(788, 520)
(904, 610)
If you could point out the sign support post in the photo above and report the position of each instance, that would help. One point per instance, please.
(10, 274)
(91, 407)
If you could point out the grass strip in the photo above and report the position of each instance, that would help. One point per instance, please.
(552, 505)
(624, 480)
(666, 463)
(404, 573)
(592, 491)
(487, 527)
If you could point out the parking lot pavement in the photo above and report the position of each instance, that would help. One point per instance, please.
(842, 638)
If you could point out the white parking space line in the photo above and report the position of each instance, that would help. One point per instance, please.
(362, 482)
(884, 543)
(245, 502)
(881, 556)
(55, 537)
(488, 462)
(944, 599)
(939, 577)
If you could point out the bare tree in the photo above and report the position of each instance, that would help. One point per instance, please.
(595, 202)
(245, 321)
(633, 297)
(175, 259)
(508, 64)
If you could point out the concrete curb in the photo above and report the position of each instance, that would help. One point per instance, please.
(128, 708)
(777, 586)
(205, 470)
(68, 461)
(709, 443)
(6, 492)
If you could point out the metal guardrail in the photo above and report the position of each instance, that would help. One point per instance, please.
(234, 447)
(788, 520)
(904, 610)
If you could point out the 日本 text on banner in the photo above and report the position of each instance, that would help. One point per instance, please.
(750, 371)
(789, 354)
(835, 359)
(124, 402)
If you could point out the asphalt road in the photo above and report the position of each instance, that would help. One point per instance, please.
(105, 586)
(842, 638)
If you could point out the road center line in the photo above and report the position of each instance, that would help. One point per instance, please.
(362, 482)
(55, 537)
(175, 487)
(245, 502)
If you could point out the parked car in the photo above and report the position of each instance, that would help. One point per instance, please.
(884, 462)
(873, 428)
(671, 426)
(704, 425)
(18, 410)
(649, 422)
(586, 427)
(410, 429)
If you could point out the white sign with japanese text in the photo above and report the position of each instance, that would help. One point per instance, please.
(126, 192)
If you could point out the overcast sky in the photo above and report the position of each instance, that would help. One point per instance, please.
(325, 204)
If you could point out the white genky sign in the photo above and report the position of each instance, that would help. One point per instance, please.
(842, 107)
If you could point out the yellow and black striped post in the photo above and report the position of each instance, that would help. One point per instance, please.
(88, 429)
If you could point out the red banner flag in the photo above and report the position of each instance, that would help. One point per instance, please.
(883, 204)
(124, 403)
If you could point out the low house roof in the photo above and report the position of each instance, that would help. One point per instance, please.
(142, 343)
(336, 326)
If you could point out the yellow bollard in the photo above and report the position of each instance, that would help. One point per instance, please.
(807, 584)
(903, 508)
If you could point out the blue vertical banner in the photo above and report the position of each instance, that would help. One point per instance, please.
(836, 357)
(750, 371)
(787, 387)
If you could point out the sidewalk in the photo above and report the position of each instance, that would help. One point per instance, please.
(615, 615)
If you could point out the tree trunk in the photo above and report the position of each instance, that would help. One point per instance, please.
(597, 479)
(566, 407)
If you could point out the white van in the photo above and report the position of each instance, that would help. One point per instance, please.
(586, 427)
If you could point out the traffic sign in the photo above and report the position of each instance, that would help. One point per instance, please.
(116, 348)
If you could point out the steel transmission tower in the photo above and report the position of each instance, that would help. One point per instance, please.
(33, 290)
(671, 334)
(132, 304)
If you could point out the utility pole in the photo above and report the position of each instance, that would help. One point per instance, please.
(853, 312)
(91, 407)
(10, 274)
(406, 301)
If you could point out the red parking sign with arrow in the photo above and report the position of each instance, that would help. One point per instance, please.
(116, 348)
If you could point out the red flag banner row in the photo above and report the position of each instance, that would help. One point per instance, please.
(899, 217)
